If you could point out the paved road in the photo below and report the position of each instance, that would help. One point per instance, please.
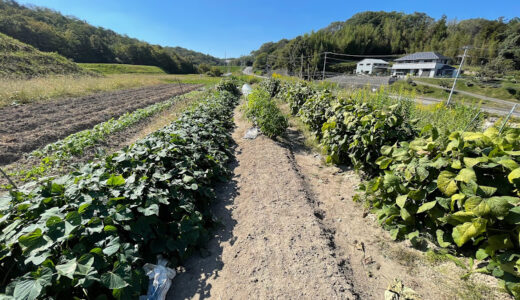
(505, 103)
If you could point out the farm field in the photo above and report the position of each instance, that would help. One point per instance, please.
(27, 127)
(185, 151)
(121, 68)
(43, 89)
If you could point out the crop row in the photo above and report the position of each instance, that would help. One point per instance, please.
(61, 152)
(89, 233)
(458, 189)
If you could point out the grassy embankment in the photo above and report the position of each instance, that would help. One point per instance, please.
(19, 60)
(501, 89)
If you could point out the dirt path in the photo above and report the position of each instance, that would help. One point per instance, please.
(272, 245)
(27, 127)
(291, 231)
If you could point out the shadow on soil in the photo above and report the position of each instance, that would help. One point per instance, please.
(192, 282)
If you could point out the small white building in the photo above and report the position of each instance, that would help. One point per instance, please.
(423, 64)
(372, 66)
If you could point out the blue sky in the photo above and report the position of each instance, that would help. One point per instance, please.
(236, 27)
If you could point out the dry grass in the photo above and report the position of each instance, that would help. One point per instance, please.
(46, 88)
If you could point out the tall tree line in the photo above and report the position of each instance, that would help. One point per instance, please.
(50, 31)
(384, 33)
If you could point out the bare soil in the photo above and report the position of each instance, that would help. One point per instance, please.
(290, 230)
(27, 127)
(110, 144)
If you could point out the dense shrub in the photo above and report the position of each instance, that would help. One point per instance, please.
(272, 86)
(262, 110)
(461, 189)
(355, 133)
(229, 85)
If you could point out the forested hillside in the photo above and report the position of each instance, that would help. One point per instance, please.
(19, 60)
(50, 31)
(495, 42)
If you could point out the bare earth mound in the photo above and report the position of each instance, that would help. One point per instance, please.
(27, 127)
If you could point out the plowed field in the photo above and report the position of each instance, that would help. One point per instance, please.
(27, 127)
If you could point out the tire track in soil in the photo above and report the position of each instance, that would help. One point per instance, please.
(27, 127)
(272, 243)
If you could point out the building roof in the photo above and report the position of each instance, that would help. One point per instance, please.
(372, 60)
(422, 55)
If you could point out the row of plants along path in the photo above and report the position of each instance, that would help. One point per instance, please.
(459, 190)
(89, 233)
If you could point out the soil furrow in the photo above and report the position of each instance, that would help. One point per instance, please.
(28, 127)
(271, 245)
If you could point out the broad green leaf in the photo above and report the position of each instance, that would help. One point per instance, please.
(383, 162)
(116, 180)
(426, 206)
(67, 269)
(31, 240)
(464, 232)
(477, 206)
(390, 180)
(187, 179)
(514, 176)
(29, 287)
(499, 206)
(471, 162)
(446, 183)
(466, 175)
(405, 215)
(113, 281)
(401, 200)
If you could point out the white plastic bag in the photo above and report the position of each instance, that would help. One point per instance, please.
(246, 89)
(160, 279)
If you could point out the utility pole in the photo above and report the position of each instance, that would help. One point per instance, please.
(457, 75)
(301, 68)
(324, 63)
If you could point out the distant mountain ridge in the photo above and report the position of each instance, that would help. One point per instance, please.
(50, 31)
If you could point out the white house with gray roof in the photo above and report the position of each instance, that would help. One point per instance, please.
(372, 66)
(423, 64)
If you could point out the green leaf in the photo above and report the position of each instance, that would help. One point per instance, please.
(29, 287)
(401, 200)
(32, 240)
(390, 180)
(426, 206)
(113, 281)
(466, 175)
(446, 183)
(67, 269)
(514, 176)
(464, 232)
(116, 180)
(441, 238)
(500, 242)
(499, 206)
(383, 162)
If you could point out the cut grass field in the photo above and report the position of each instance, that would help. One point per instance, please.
(500, 89)
(121, 69)
(232, 69)
(41, 89)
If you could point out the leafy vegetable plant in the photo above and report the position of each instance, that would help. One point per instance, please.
(88, 234)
